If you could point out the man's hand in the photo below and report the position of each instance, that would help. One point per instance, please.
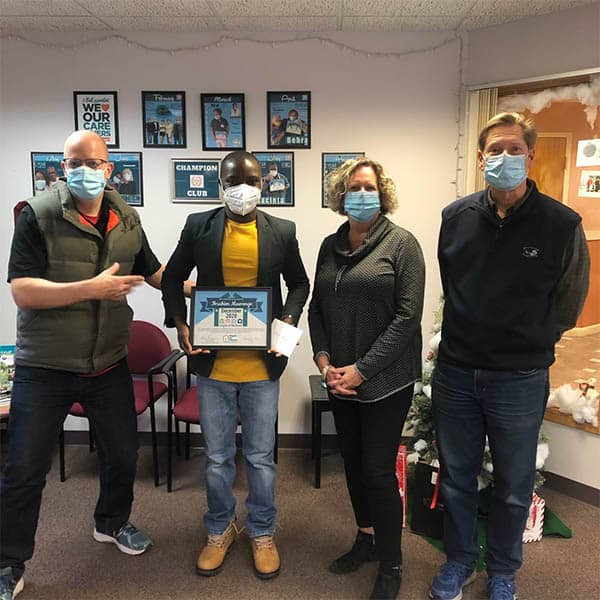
(183, 337)
(109, 286)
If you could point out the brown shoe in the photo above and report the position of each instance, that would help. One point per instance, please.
(266, 557)
(212, 556)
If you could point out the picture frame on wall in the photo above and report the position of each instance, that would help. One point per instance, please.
(330, 161)
(195, 180)
(223, 121)
(127, 176)
(589, 183)
(288, 120)
(98, 112)
(164, 119)
(46, 168)
(277, 178)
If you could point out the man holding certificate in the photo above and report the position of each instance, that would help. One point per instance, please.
(238, 252)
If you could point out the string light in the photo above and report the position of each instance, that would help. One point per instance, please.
(225, 38)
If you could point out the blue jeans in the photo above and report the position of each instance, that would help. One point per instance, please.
(508, 407)
(41, 399)
(257, 405)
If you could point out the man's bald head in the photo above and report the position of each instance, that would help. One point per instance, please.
(84, 145)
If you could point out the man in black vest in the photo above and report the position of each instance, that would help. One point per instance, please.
(237, 246)
(72, 333)
(514, 265)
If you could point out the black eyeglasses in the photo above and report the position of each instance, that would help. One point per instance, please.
(92, 163)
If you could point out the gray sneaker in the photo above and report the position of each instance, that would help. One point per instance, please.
(129, 539)
(10, 585)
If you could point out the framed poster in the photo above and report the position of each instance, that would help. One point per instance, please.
(277, 178)
(288, 120)
(127, 176)
(97, 112)
(45, 170)
(231, 318)
(589, 184)
(588, 153)
(164, 119)
(330, 161)
(223, 121)
(195, 180)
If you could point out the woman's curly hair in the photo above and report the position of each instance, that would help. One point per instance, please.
(337, 185)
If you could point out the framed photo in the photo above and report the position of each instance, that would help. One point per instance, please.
(231, 318)
(223, 121)
(195, 180)
(288, 120)
(589, 184)
(127, 176)
(45, 170)
(164, 119)
(277, 178)
(97, 112)
(330, 161)
(588, 153)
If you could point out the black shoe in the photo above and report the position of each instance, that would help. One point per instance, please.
(387, 584)
(362, 551)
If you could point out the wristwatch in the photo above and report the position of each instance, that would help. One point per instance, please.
(324, 371)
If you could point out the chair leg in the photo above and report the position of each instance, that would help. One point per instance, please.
(154, 445)
(90, 437)
(317, 442)
(187, 441)
(61, 453)
(170, 418)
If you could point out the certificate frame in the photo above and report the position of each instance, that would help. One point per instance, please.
(281, 133)
(219, 316)
(284, 163)
(330, 161)
(232, 109)
(195, 180)
(98, 112)
(159, 110)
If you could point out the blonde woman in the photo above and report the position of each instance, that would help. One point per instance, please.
(365, 326)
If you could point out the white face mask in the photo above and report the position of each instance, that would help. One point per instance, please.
(241, 199)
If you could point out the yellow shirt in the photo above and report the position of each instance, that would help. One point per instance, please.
(239, 257)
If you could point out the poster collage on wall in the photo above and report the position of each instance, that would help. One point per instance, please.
(164, 126)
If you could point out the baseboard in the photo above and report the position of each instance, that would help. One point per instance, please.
(574, 489)
(285, 440)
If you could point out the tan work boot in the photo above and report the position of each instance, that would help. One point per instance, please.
(266, 557)
(212, 556)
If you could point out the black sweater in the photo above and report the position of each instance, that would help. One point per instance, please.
(366, 307)
(502, 281)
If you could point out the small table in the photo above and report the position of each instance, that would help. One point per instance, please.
(320, 404)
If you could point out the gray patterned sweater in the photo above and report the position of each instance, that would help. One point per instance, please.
(367, 304)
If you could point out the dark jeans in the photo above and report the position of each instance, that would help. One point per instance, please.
(369, 435)
(508, 407)
(41, 399)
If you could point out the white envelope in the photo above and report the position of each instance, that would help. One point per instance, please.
(284, 337)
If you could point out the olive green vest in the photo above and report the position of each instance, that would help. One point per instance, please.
(88, 336)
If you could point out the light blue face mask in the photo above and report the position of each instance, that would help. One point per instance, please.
(85, 183)
(362, 206)
(505, 171)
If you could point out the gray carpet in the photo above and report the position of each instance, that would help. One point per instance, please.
(314, 527)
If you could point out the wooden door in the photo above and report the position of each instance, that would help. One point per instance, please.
(549, 165)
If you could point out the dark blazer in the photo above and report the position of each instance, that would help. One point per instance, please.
(200, 247)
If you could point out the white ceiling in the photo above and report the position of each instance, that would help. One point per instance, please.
(19, 16)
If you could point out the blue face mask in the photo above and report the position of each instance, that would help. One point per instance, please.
(85, 183)
(362, 206)
(505, 171)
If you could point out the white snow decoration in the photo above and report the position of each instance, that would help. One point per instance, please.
(418, 387)
(543, 451)
(581, 404)
(434, 342)
(427, 390)
(420, 445)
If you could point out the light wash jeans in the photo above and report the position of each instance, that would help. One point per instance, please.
(256, 402)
